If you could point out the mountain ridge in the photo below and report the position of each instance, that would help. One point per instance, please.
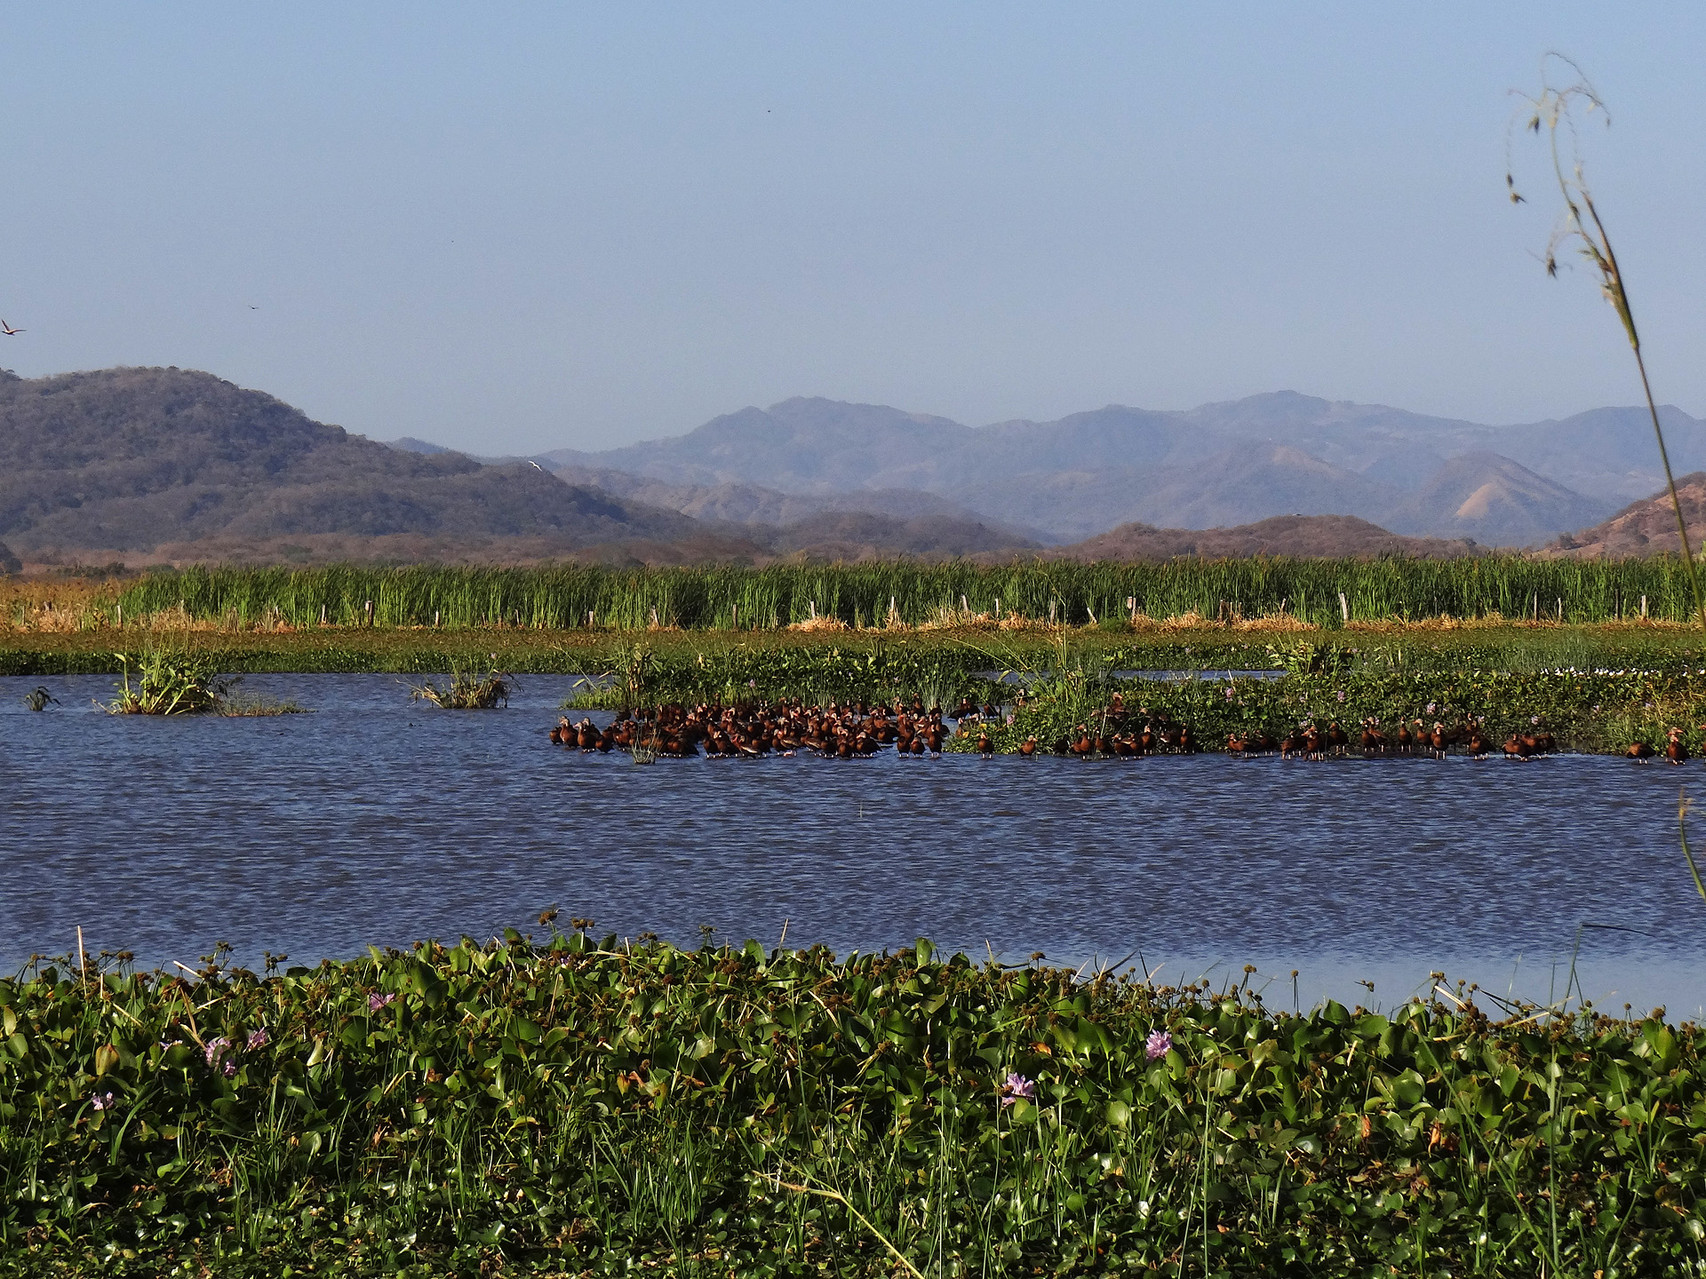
(1219, 464)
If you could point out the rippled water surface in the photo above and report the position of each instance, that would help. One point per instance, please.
(375, 820)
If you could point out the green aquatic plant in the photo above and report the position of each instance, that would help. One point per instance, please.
(38, 699)
(469, 689)
(575, 1105)
(168, 682)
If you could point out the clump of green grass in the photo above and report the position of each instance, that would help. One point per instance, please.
(468, 690)
(168, 682)
(175, 682)
(39, 699)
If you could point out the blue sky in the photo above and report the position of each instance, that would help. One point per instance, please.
(518, 227)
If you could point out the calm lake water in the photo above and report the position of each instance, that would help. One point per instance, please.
(375, 820)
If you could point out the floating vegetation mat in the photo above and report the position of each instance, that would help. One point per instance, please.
(582, 1107)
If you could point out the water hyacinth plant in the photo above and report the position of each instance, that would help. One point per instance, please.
(573, 1106)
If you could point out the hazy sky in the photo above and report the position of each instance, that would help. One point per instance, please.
(522, 226)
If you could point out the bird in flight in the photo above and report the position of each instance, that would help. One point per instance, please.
(8, 330)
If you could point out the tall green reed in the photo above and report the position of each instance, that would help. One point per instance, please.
(915, 595)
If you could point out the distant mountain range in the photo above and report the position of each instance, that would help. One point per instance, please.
(140, 465)
(168, 463)
(1218, 465)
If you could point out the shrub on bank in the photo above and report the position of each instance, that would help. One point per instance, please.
(574, 1107)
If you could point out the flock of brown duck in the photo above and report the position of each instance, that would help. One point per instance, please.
(752, 730)
(855, 730)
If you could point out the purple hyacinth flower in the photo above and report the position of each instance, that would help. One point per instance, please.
(376, 1001)
(215, 1048)
(1018, 1086)
(230, 1068)
(101, 1101)
(258, 1039)
(1158, 1045)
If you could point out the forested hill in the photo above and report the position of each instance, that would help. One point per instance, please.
(131, 458)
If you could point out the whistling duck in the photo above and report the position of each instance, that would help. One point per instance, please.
(1404, 738)
(1290, 745)
(1336, 738)
(985, 746)
(1028, 747)
(1436, 740)
(1518, 747)
(1081, 745)
(1640, 752)
(1312, 742)
(1478, 745)
(1676, 750)
(1187, 742)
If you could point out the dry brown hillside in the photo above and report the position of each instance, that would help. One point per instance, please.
(1647, 527)
(1304, 536)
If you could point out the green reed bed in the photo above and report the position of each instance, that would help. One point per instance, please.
(569, 596)
(1592, 713)
(1587, 709)
(569, 1107)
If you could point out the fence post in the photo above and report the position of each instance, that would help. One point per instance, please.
(1344, 607)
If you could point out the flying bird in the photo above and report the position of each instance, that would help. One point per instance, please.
(8, 330)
